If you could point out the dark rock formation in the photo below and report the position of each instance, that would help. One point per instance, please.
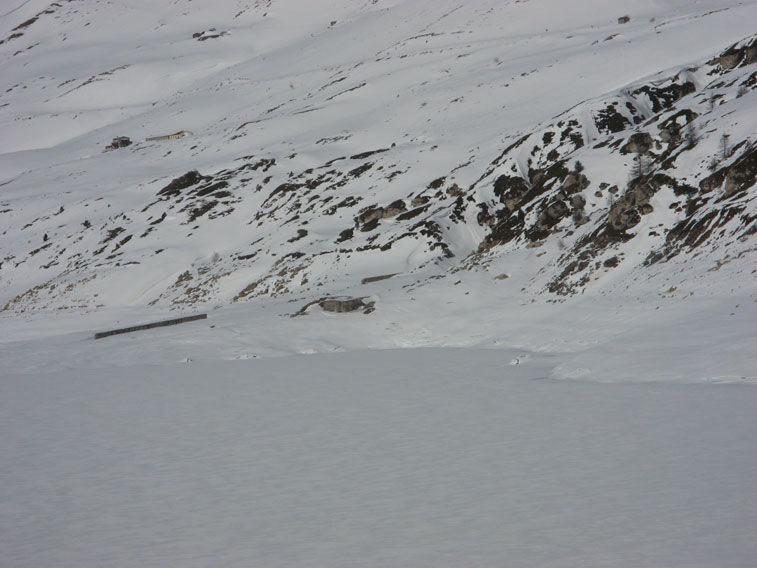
(609, 120)
(510, 190)
(740, 175)
(638, 143)
(735, 56)
(370, 215)
(394, 209)
(662, 98)
(182, 182)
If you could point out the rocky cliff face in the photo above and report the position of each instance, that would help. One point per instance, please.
(682, 157)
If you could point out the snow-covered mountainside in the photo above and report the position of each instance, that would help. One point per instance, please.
(521, 151)
(462, 283)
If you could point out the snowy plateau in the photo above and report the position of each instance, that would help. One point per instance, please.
(480, 282)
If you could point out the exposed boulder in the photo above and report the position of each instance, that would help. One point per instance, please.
(574, 182)
(638, 143)
(578, 201)
(484, 217)
(370, 214)
(550, 216)
(394, 209)
(455, 190)
(623, 219)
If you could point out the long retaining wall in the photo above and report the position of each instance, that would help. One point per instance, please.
(174, 136)
(142, 327)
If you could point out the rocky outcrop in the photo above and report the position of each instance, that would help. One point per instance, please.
(393, 209)
(626, 212)
(638, 143)
(573, 183)
(369, 216)
(664, 96)
(737, 55)
(182, 182)
(510, 190)
(740, 175)
(555, 212)
(609, 120)
(671, 129)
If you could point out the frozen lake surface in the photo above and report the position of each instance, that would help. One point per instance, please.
(428, 457)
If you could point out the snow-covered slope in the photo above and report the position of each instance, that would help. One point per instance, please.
(335, 139)
(545, 196)
(415, 457)
(517, 152)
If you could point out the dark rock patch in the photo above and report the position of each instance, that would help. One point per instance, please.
(370, 225)
(301, 234)
(187, 180)
(345, 235)
(282, 189)
(360, 170)
(510, 190)
(412, 213)
(365, 155)
(393, 209)
(739, 176)
(198, 210)
(369, 214)
(437, 183)
(662, 98)
(609, 120)
(370, 279)
(638, 143)
(735, 56)
(205, 190)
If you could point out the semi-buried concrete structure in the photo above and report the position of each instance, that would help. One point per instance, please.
(174, 136)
